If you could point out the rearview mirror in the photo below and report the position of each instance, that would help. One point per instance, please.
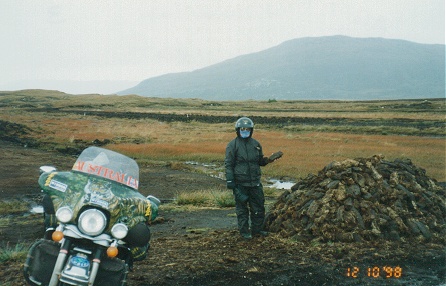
(47, 169)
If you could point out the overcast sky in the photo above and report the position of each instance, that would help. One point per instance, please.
(46, 43)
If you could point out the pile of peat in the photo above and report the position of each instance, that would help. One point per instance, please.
(363, 200)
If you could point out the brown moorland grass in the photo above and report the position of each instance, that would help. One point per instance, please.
(306, 152)
(307, 149)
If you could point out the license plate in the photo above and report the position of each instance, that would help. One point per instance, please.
(80, 262)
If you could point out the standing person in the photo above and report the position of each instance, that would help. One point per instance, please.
(243, 159)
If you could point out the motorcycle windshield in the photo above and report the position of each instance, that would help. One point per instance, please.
(109, 165)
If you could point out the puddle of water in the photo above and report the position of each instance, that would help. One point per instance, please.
(200, 164)
(281, 185)
(217, 171)
(37, 210)
(210, 169)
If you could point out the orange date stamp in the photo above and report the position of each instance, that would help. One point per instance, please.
(387, 272)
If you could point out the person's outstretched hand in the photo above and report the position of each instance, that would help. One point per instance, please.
(275, 156)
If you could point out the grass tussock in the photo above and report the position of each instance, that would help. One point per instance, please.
(13, 206)
(215, 198)
(206, 199)
(272, 192)
(17, 252)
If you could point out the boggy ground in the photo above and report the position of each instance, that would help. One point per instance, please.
(202, 247)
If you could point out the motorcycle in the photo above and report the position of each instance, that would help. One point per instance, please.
(96, 222)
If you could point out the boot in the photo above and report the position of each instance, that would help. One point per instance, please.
(246, 236)
(261, 233)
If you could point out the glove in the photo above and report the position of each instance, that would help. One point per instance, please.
(275, 156)
(230, 184)
(239, 195)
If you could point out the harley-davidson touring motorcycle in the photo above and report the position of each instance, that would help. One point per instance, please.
(96, 221)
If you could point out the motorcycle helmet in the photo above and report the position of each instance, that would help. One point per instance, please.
(244, 123)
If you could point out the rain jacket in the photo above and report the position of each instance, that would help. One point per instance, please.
(243, 160)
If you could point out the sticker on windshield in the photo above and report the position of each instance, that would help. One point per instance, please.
(98, 170)
(58, 186)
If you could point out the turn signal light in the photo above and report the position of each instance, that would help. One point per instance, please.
(112, 251)
(57, 236)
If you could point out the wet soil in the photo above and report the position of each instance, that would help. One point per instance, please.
(202, 246)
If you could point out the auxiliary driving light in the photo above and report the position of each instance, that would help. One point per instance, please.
(64, 214)
(119, 230)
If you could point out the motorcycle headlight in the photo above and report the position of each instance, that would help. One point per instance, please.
(119, 230)
(92, 222)
(64, 214)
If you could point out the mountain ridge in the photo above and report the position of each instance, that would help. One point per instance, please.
(332, 67)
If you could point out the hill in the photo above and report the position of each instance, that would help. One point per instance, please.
(335, 67)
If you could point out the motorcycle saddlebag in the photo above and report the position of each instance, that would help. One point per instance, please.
(112, 271)
(40, 262)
